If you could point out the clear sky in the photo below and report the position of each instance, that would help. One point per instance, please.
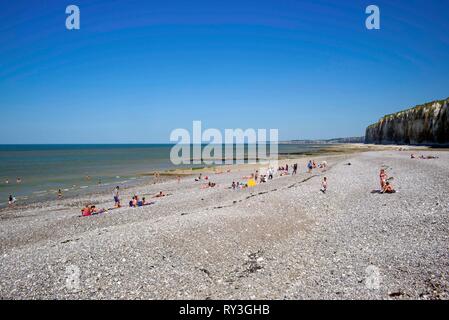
(136, 70)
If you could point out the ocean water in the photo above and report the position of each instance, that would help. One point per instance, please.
(43, 169)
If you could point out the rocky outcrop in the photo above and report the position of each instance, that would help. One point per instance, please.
(426, 124)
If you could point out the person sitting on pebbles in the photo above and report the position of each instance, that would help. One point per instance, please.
(89, 210)
(383, 178)
(388, 188)
(209, 185)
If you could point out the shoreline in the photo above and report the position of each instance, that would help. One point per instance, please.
(145, 178)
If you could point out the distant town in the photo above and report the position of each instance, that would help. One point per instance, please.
(327, 141)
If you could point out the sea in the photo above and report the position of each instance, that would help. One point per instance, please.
(32, 173)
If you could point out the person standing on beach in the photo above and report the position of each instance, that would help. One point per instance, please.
(117, 197)
(59, 194)
(295, 168)
(11, 200)
(270, 173)
(310, 166)
(156, 177)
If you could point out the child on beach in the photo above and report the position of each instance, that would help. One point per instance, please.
(324, 185)
(116, 197)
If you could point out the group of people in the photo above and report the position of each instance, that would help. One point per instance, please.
(88, 210)
(257, 177)
(210, 184)
(238, 185)
(385, 185)
(282, 170)
(200, 178)
(312, 165)
(18, 180)
(136, 202)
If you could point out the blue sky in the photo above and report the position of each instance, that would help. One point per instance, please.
(136, 70)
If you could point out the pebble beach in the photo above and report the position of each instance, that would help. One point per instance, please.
(283, 239)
